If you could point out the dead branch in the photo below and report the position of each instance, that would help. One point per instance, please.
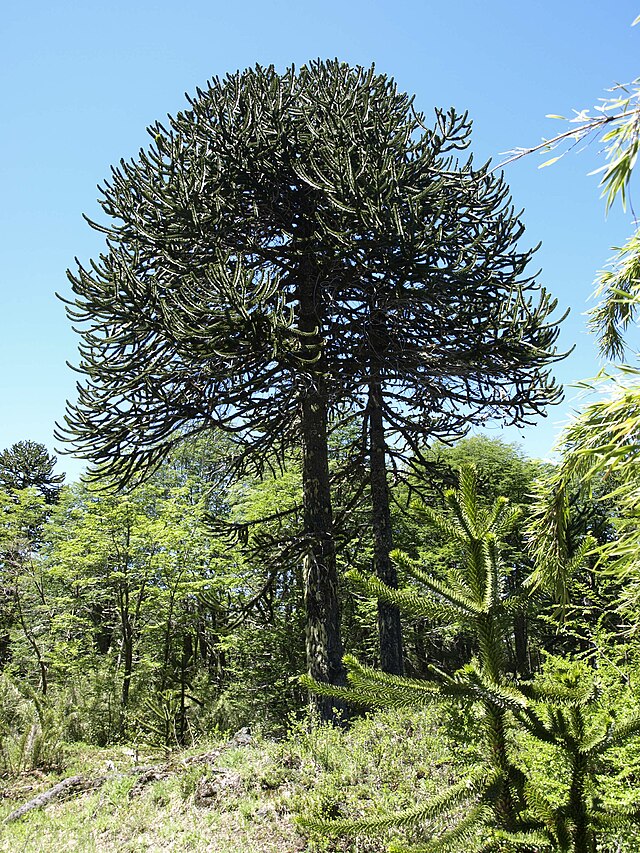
(73, 785)
(66, 788)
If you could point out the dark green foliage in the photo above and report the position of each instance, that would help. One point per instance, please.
(270, 178)
(27, 463)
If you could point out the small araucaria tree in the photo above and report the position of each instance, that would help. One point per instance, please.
(293, 248)
(503, 803)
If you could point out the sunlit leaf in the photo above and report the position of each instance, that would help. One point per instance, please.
(549, 162)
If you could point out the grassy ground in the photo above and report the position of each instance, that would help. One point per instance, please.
(228, 797)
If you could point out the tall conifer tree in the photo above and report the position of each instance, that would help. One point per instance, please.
(27, 463)
(291, 246)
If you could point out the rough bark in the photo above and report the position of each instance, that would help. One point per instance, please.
(322, 606)
(127, 655)
(322, 609)
(389, 624)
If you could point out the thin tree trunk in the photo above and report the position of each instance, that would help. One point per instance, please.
(504, 806)
(127, 656)
(168, 635)
(389, 625)
(186, 661)
(129, 631)
(521, 645)
(584, 839)
(42, 664)
(488, 630)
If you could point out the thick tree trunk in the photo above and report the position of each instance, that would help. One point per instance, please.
(322, 608)
(389, 625)
(322, 604)
(103, 632)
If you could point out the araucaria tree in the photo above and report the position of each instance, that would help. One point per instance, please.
(294, 249)
(27, 463)
(501, 805)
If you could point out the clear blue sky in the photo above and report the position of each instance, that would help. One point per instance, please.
(82, 81)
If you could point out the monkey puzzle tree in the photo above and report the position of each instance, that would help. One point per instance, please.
(27, 463)
(454, 331)
(292, 249)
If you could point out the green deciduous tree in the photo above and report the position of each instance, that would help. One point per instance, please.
(27, 610)
(133, 568)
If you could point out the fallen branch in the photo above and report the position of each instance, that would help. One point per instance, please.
(146, 775)
(67, 787)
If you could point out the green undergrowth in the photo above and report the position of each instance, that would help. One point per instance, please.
(232, 797)
(224, 797)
